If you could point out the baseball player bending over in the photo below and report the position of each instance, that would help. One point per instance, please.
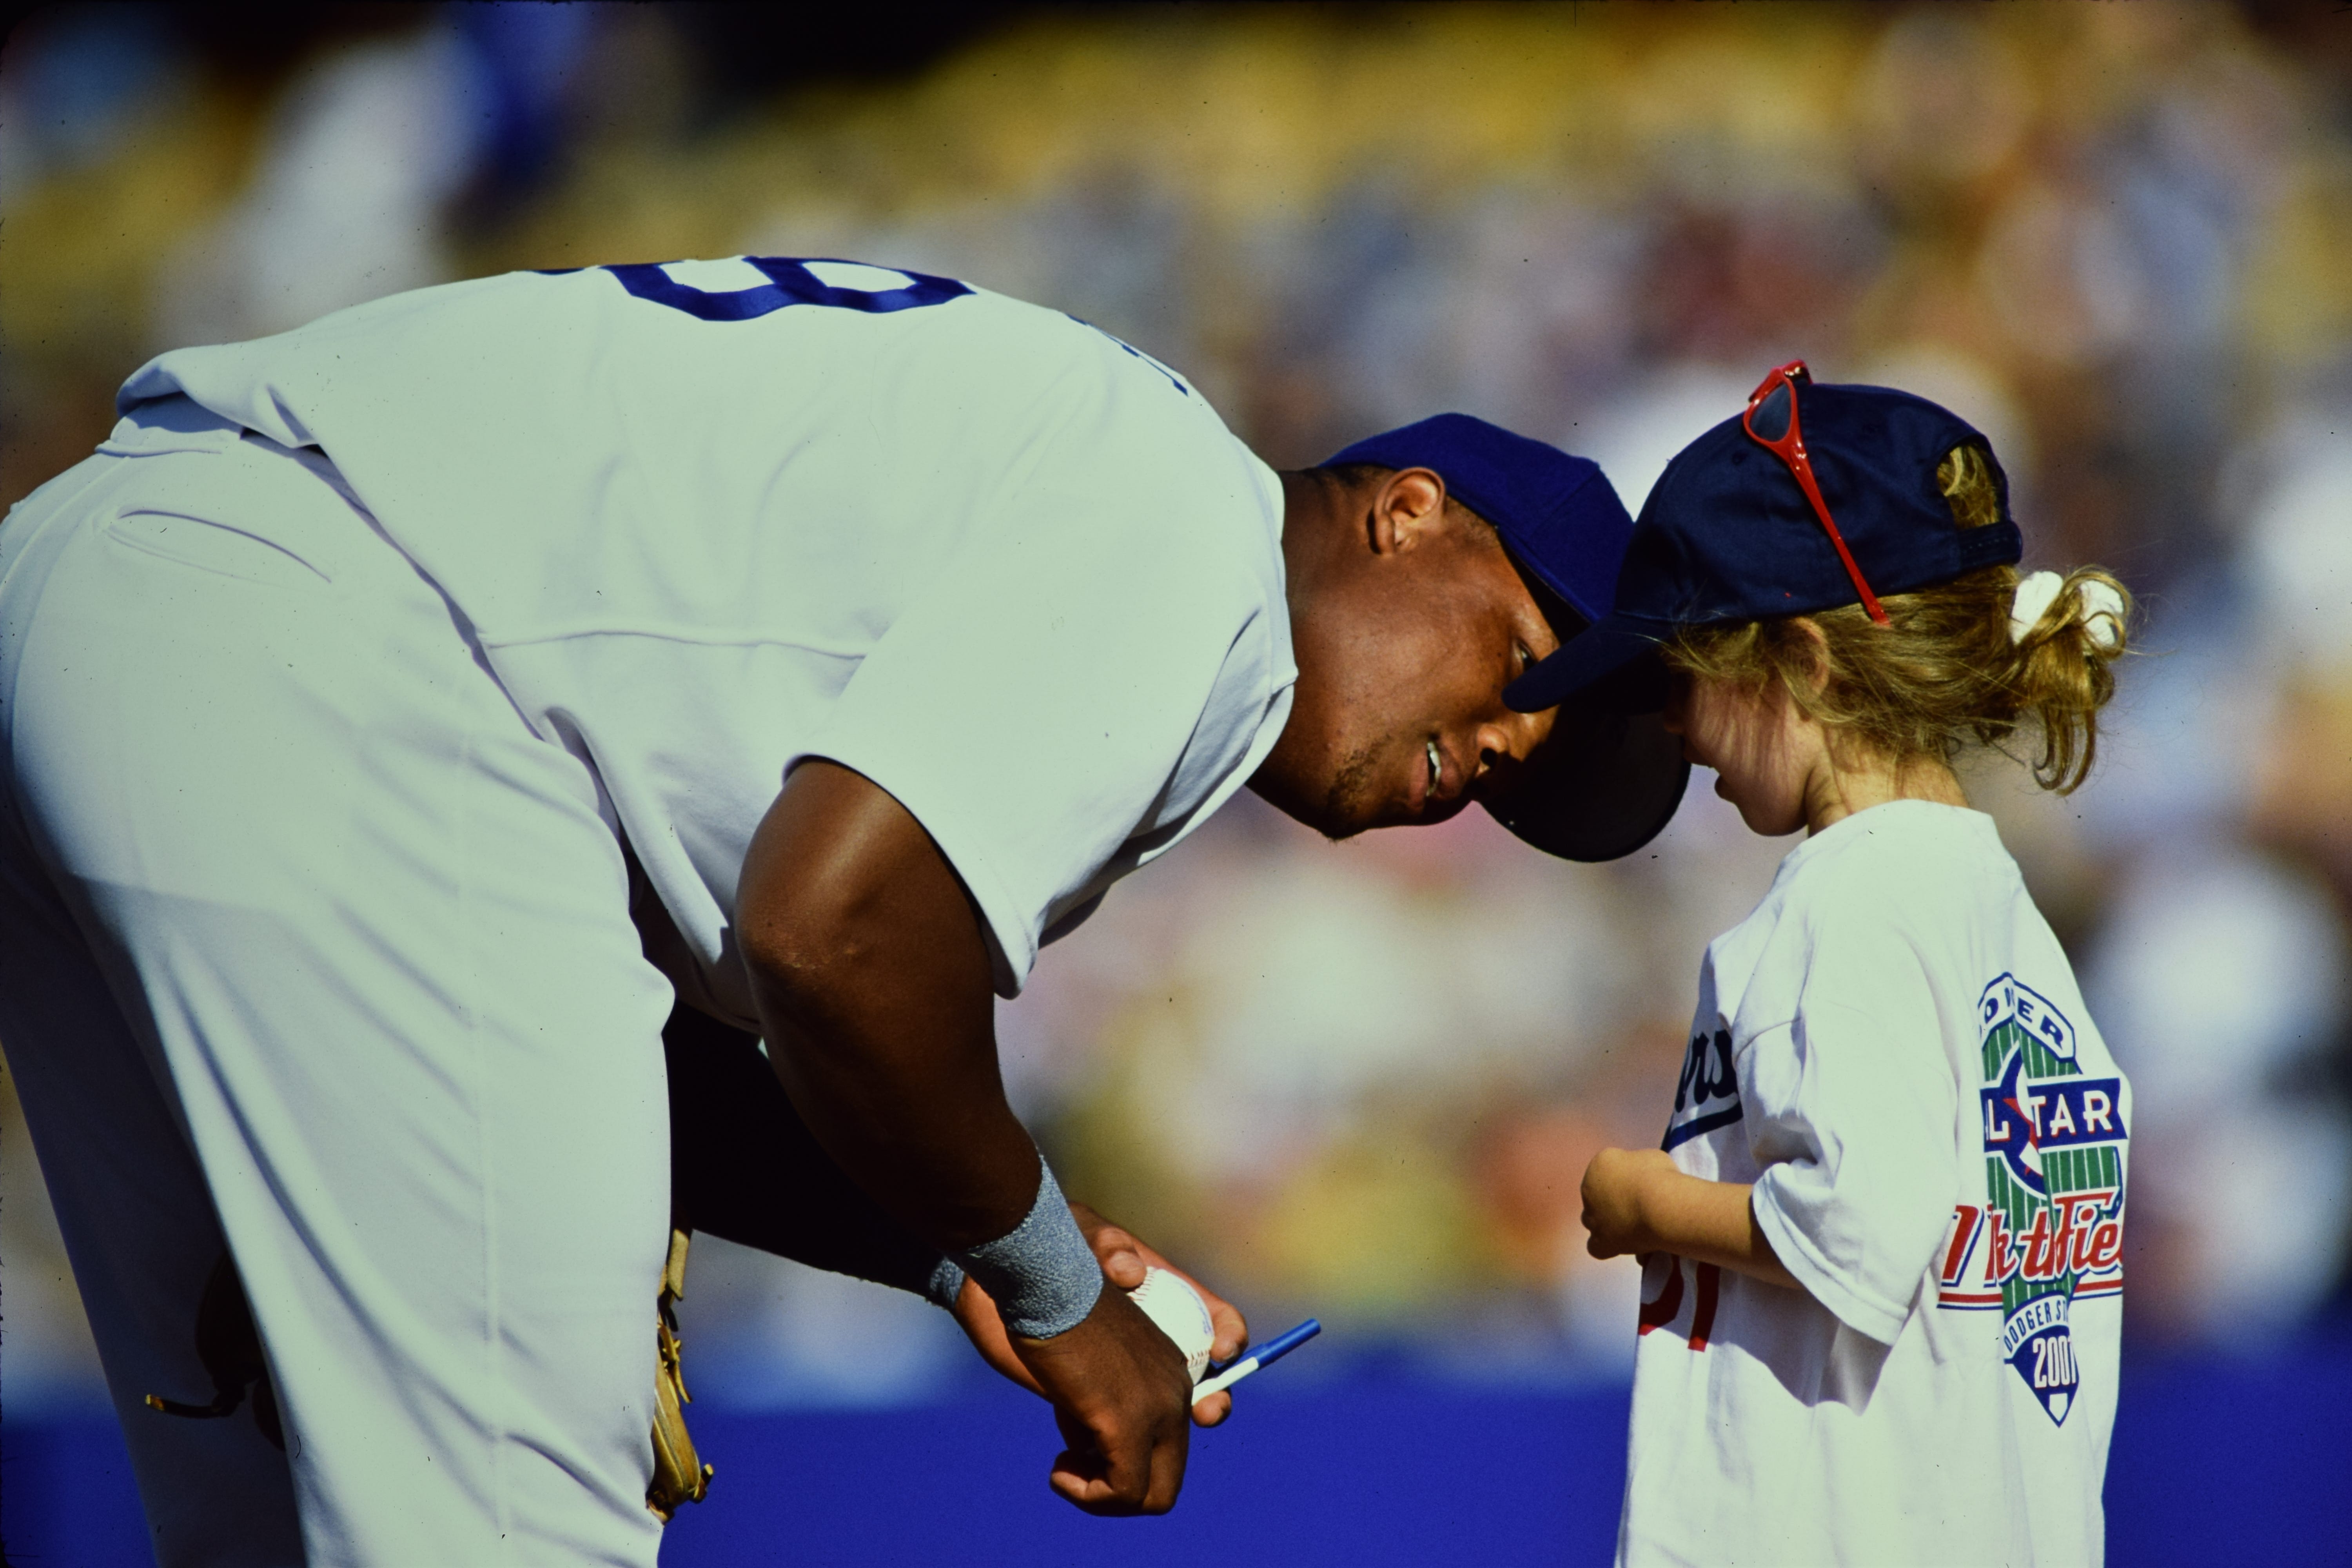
(878, 622)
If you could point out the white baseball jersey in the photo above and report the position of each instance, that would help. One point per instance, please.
(1892, 1050)
(706, 519)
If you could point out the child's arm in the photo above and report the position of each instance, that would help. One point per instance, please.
(1636, 1200)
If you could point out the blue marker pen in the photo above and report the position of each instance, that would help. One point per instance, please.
(1267, 1354)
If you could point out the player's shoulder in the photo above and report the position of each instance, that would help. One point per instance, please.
(1123, 390)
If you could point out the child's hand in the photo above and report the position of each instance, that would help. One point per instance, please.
(1615, 1185)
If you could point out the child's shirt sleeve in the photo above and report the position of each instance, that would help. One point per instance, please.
(1850, 1116)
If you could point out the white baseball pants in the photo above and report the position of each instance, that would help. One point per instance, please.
(310, 948)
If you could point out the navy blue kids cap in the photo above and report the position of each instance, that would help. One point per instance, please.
(1605, 781)
(1729, 533)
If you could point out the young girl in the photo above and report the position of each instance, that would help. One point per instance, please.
(1883, 1237)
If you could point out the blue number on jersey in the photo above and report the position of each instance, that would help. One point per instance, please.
(789, 283)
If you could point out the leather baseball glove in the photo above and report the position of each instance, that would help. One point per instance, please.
(679, 1477)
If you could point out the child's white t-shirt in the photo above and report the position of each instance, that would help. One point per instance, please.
(1891, 1049)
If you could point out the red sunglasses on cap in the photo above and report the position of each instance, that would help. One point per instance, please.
(1773, 407)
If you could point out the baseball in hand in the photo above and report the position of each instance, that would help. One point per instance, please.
(1181, 1315)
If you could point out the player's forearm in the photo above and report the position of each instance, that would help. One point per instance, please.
(1636, 1200)
(873, 981)
(912, 1107)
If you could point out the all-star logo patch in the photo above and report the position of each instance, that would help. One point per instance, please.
(2053, 1231)
(1708, 1095)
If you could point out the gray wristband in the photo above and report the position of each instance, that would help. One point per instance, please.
(945, 1285)
(1042, 1274)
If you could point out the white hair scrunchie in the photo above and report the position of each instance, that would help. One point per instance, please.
(2102, 610)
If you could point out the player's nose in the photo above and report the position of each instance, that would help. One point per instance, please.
(1510, 737)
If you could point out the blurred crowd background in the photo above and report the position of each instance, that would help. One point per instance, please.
(1361, 1081)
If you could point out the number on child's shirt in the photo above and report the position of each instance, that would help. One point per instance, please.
(1668, 1306)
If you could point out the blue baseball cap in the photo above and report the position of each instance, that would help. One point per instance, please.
(1605, 781)
(1728, 534)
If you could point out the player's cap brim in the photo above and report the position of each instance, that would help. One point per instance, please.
(1603, 784)
(1613, 661)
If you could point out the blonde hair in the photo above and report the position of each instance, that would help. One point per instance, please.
(1945, 669)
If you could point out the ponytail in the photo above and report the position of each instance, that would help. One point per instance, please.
(2062, 667)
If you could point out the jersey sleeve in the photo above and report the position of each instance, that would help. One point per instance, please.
(1093, 677)
(1851, 1107)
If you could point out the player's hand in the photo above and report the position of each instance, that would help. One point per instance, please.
(1614, 1185)
(975, 1313)
(1119, 1390)
(1125, 1256)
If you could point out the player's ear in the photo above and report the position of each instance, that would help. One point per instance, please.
(1407, 507)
